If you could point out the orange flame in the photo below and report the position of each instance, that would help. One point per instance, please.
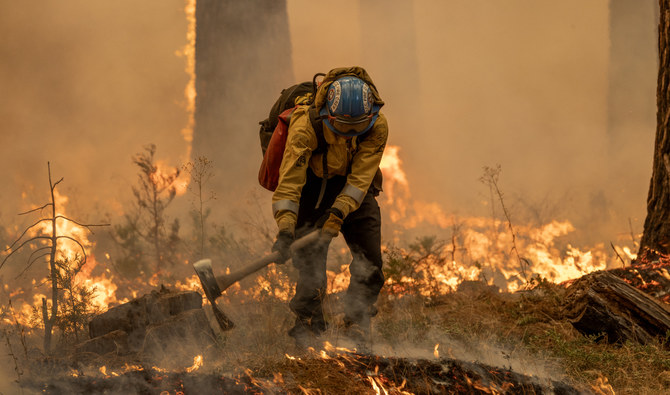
(188, 53)
(68, 249)
(197, 364)
(602, 387)
(479, 243)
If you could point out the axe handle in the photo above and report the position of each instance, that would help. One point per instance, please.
(226, 280)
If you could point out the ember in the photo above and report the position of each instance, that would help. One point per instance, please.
(346, 372)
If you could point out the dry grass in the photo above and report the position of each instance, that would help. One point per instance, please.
(525, 331)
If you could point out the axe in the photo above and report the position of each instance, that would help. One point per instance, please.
(215, 285)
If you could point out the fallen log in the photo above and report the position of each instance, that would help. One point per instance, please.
(601, 303)
(135, 316)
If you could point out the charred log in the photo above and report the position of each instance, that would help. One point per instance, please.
(602, 304)
(155, 326)
(651, 278)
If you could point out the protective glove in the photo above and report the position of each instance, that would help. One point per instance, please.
(331, 222)
(283, 246)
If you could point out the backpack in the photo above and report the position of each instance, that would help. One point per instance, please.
(274, 130)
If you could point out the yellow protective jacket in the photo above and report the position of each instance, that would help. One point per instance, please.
(361, 155)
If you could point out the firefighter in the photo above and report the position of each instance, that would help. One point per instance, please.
(334, 189)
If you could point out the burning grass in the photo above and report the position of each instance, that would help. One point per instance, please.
(489, 342)
(427, 325)
(460, 314)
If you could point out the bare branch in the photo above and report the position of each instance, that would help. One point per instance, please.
(87, 226)
(26, 231)
(19, 247)
(37, 250)
(83, 250)
(617, 254)
(30, 263)
(56, 183)
(36, 209)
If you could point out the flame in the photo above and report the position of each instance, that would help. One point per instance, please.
(273, 284)
(483, 245)
(377, 386)
(602, 387)
(197, 364)
(396, 187)
(105, 291)
(188, 53)
(329, 347)
(67, 249)
(436, 353)
(164, 172)
(189, 284)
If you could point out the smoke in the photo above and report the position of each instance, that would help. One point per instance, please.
(8, 377)
(523, 84)
(85, 86)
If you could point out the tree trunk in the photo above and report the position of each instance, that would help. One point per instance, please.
(655, 241)
(243, 61)
(49, 321)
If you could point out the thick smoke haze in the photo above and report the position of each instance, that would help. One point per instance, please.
(85, 86)
(467, 84)
(523, 84)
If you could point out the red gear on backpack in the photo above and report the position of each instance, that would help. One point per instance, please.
(268, 174)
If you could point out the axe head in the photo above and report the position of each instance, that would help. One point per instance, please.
(203, 268)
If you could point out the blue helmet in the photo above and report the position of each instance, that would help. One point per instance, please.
(350, 108)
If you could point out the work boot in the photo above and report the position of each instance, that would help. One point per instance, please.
(304, 335)
(359, 333)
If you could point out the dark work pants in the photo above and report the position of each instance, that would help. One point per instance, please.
(362, 232)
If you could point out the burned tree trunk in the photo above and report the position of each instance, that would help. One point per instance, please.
(601, 303)
(243, 61)
(656, 237)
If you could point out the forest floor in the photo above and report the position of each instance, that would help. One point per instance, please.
(420, 345)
